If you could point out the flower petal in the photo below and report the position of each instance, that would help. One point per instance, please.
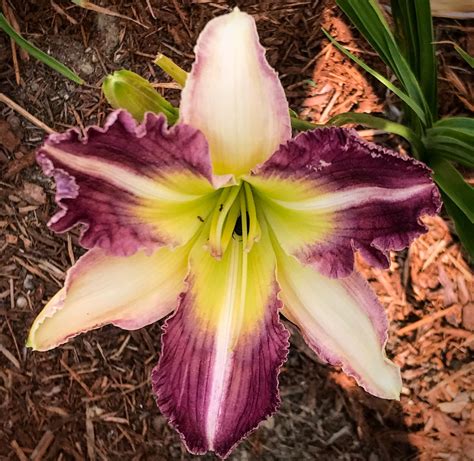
(328, 193)
(130, 186)
(217, 377)
(234, 97)
(128, 292)
(342, 321)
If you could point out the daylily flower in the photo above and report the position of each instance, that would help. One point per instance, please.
(227, 222)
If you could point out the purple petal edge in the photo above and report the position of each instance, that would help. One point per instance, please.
(139, 158)
(332, 158)
(194, 437)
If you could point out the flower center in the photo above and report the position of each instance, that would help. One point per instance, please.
(238, 226)
(234, 216)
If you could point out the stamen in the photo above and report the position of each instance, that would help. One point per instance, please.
(224, 205)
(230, 224)
(244, 216)
(254, 231)
(235, 214)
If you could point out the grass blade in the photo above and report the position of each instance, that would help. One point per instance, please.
(452, 153)
(453, 185)
(370, 21)
(37, 53)
(464, 228)
(461, 123)
(414, 33)
(452, 138)
(465, 55)
(401, 94)
(302, 125)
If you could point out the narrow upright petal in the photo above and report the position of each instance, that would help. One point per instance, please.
(342, 321)
(234, 97)
(328, 192)
(131, 186)
(128, 292)
(217, 377)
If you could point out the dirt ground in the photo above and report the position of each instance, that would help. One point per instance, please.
(91, 399)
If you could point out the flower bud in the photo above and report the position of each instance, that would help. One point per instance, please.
(127, 90)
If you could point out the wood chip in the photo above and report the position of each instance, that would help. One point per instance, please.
(40, 450)
(428, 319)
(9, 356)
(18, 451)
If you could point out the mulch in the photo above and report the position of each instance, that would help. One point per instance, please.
(91, 399)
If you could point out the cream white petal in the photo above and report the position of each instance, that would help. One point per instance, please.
(129, 292)
(234, 97)
(342, 321)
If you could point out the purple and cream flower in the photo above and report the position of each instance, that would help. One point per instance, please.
(225, 222)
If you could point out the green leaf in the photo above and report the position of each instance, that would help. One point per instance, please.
(369, 20)
(302, 125)
(464, 227)
(452, 153)
(452, 136)
(380, 124)
(452, 139)
(293, 113)
(414, 33)
(465, 55)
(453, 185)
(402, 95)
(125, 89)
(464, 123)
(37, 53)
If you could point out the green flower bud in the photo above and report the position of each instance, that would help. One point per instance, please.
(125, 89)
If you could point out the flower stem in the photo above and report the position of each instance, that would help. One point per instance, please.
(168, 66)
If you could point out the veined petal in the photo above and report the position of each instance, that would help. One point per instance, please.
(128, 292)
(328, 192)
(217, 376)
(342, 321)
(234, 97)
(131, 186)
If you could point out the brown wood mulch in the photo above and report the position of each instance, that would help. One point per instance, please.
(91, 398)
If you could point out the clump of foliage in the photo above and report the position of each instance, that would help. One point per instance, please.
(444, 144)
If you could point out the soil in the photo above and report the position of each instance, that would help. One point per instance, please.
(91, 399)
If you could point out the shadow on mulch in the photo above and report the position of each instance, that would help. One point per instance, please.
(328, 403)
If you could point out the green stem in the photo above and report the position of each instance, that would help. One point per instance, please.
(168, 66)
(303, 125)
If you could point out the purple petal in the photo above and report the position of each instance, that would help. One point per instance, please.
(124, 182)
(343, 194)
(217, 377)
